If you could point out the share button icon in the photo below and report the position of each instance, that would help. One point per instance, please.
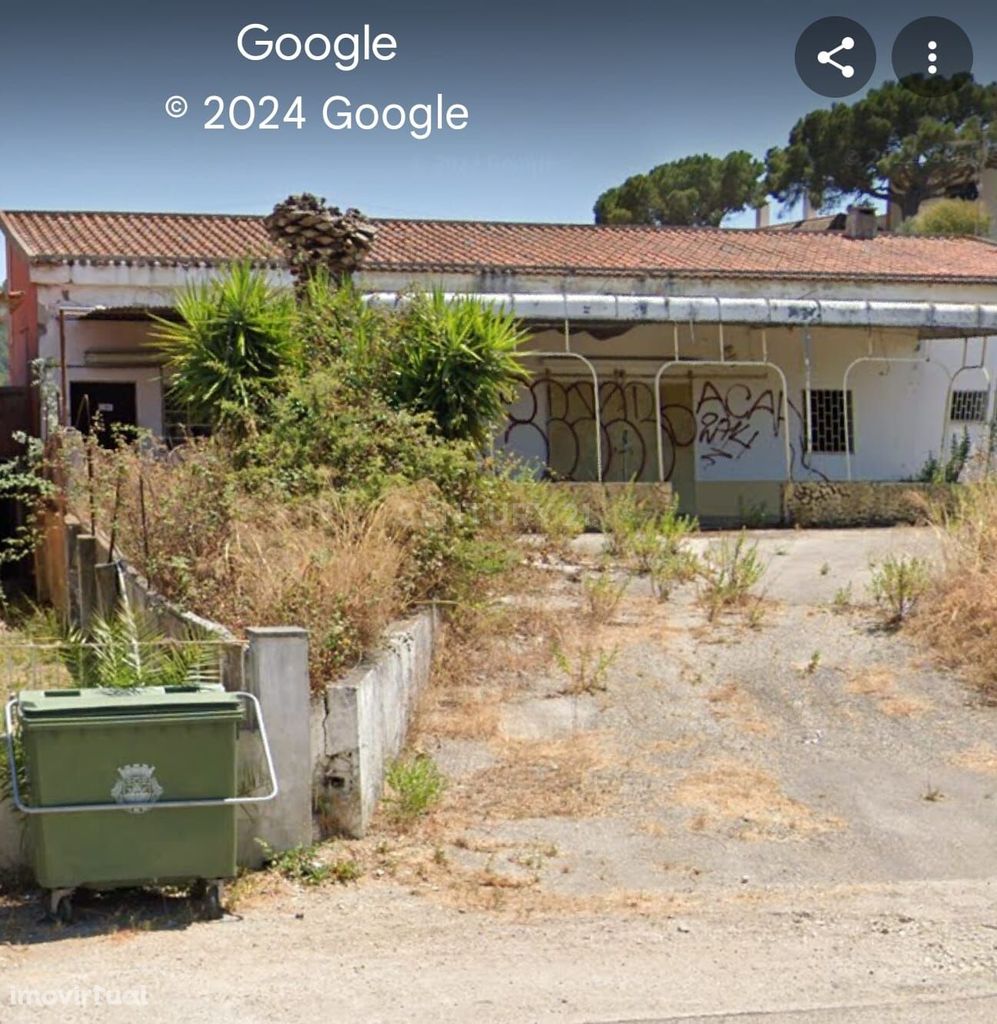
(835, 57)
(827, 57)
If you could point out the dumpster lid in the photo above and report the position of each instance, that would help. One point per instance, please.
(122, 702)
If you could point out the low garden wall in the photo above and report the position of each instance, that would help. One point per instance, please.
(862, 503)
(360, 724)
(331, 751)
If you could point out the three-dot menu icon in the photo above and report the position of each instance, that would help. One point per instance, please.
(932, 56)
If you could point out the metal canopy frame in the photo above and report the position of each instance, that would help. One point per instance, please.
(769, 366)
(596, 403)
(920, 360)
(722, 361)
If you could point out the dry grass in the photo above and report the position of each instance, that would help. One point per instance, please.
(540, 779)
(958, 615)
(731, 703)
(671, 746)
(904, 706)
(982, 758)
(506, 878)
(340, 567)
(747, 802)
(879, 682)
(488, 651)
(472, 714)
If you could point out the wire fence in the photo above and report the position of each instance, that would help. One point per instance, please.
(58, 663)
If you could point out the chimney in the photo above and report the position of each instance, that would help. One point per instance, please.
(763, 216)
(861, 222)
(808, 209)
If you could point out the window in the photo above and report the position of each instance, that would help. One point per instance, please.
(827, 421)
(968, 406)
(178, 424)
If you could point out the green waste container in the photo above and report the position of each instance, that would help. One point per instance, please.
(132, 786)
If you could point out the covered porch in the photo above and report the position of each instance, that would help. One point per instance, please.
(730, 401)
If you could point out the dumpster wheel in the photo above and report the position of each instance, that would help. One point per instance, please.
(209, 895)
(60, 905)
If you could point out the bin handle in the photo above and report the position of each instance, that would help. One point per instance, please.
(162, 804)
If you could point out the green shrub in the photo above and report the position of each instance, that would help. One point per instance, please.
(949, 217)
(323, 434)
(126, 650)
(898, 582)
(232, 343)
(934, 471)
(23, 481)
(336, 327)
(457, 362)
(415, 784)
(727, 571)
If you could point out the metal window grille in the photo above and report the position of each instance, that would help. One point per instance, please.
(178, 424)
(968, 406)
(828, 409)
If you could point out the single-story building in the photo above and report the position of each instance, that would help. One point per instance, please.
(726, 362)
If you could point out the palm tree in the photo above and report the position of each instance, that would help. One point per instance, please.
(316, 237)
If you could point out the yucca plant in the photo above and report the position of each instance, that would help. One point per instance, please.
(233, 340)
(457, 360)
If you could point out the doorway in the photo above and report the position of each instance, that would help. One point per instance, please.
(105, 408)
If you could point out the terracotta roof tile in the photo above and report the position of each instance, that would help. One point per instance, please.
(479, 246)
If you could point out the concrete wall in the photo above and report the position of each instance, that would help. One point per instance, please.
(360, 724)
(862, 504)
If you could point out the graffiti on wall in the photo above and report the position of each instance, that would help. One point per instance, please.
(728, 421)
(731, 417)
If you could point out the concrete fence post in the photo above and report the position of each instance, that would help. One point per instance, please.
(106, 587)
(86, 580)
(73, 531)
(277, 674)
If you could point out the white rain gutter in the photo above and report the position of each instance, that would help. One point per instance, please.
(937, 317)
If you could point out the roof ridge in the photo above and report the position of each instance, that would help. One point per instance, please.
(586, 225)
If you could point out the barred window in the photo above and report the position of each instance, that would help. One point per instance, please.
(968, 406)
(828, 409)
(178, 423)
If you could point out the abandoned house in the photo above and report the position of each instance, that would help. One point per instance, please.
(727, 362)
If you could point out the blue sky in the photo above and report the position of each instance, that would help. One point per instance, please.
(565, 100)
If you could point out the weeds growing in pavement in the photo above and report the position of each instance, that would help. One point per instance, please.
(586, 667)
(728, 571)
(603, 593)
(897, 584)
(415, 785)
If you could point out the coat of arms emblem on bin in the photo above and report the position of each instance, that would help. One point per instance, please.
(137, 784)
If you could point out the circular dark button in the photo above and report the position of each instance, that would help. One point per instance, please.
(933, 56)
(835, 57)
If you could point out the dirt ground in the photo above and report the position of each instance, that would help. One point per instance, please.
(784, 815)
